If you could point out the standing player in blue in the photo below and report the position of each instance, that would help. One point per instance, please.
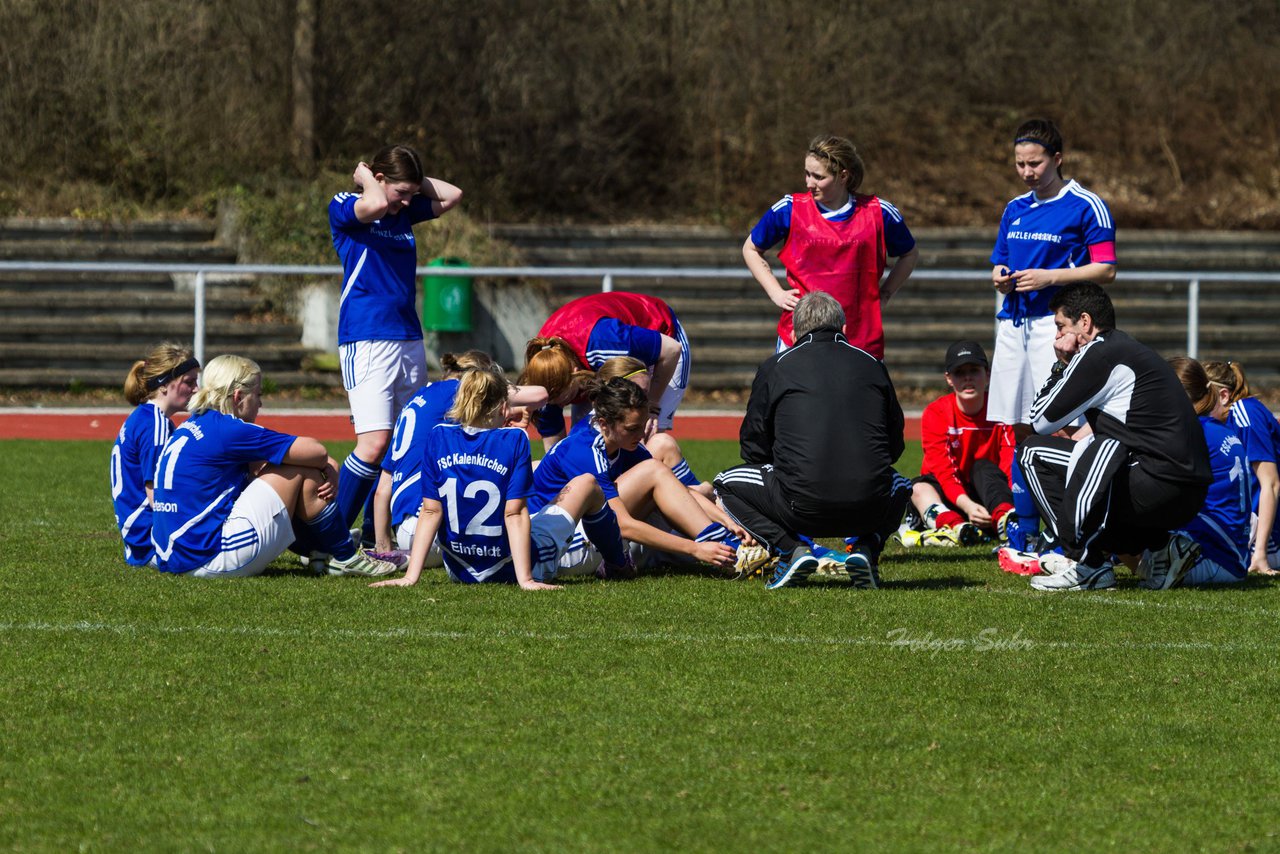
(1054, 234)
(379, 334)
(231, 496)
(159, 386)
(607, 446)
(1221, 528)
(476, 479)
(1259, 431)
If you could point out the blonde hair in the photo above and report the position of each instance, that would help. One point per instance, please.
(1195, 382)
(149, 375)
(838, 153)
(552, 364)
(222, 378)
(481, 393)
(1229, 375)
(454, 365)
(624, 367)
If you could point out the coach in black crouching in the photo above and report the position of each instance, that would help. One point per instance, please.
(1141, 468)
(822, 431)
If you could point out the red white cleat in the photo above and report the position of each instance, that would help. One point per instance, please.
(1018, 562)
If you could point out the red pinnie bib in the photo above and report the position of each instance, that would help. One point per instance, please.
(845, 259)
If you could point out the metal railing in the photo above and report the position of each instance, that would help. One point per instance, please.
(606, 275)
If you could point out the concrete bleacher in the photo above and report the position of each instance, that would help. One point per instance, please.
(732, 324)
(60, 330)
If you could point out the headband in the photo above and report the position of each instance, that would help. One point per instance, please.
(155, 382)
(1049, 147)
(635, 373)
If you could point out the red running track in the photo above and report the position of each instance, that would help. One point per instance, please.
(325, 425)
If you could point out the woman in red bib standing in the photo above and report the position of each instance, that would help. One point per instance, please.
(834, 239)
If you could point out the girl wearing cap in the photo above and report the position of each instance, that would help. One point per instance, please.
(159, 386)
(963, 486)
(834, 239)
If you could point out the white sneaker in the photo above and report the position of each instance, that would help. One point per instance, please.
(1164, 568)
(752, 561)
(362, 564)
(1067, 574)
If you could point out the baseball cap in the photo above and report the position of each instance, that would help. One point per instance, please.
(965, 353)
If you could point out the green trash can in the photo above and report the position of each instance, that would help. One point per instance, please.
(446, 300)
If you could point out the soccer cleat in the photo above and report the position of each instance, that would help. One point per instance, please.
(751, 562)
(1067, 574)
(1017, 562)
(862, 571)
(317, 562)
(830, 561)
(1164, 568)
(1002, 527)
(794, 572)
(944, 537)
(361, 563)
(617, 571)
(398, 557)
(908, 538)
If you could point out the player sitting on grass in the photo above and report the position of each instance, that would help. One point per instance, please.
(231, 496)
(399, 492)
(963, 487)
(477, 477)
(159, 386)
(639, 490)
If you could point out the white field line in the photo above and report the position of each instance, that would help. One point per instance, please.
(1151, 599)
(990, 640)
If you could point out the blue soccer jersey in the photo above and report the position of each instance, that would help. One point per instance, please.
(1222, 525)
(775, 225)
(200, 474)
(404, 459)
(1260, 432)
(133, 465)
(581, 452)
(379, 265)
(473, 474)
(1050, 234)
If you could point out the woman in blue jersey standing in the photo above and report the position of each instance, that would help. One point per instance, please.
(159, 386)
(379, 334)
(1056, 233)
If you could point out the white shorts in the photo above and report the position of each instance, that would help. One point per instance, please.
(256, 533)
(404, 540)
(1206, 571)
(1020, 366)
(1273, 556)
(559, 546)
(673, 394)
(380, 377)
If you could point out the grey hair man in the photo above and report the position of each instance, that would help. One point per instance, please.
(822, 431)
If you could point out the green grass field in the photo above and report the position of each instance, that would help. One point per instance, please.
(953, 709)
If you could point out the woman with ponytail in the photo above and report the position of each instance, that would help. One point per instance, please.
(158, 386)
(476, 478)
(1260, 432)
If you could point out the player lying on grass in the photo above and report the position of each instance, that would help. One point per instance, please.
(159, 387)
(231, 496)
(1258, 429)
(639, 490)
(399, 492)
(582, 334)
(477, 477)
(963, 488)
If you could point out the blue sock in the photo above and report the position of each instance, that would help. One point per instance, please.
(602, 530)
(684, 474)
(355, 482)
(325, 533)
(367, 533)
(715, 533)
(1024, 509)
